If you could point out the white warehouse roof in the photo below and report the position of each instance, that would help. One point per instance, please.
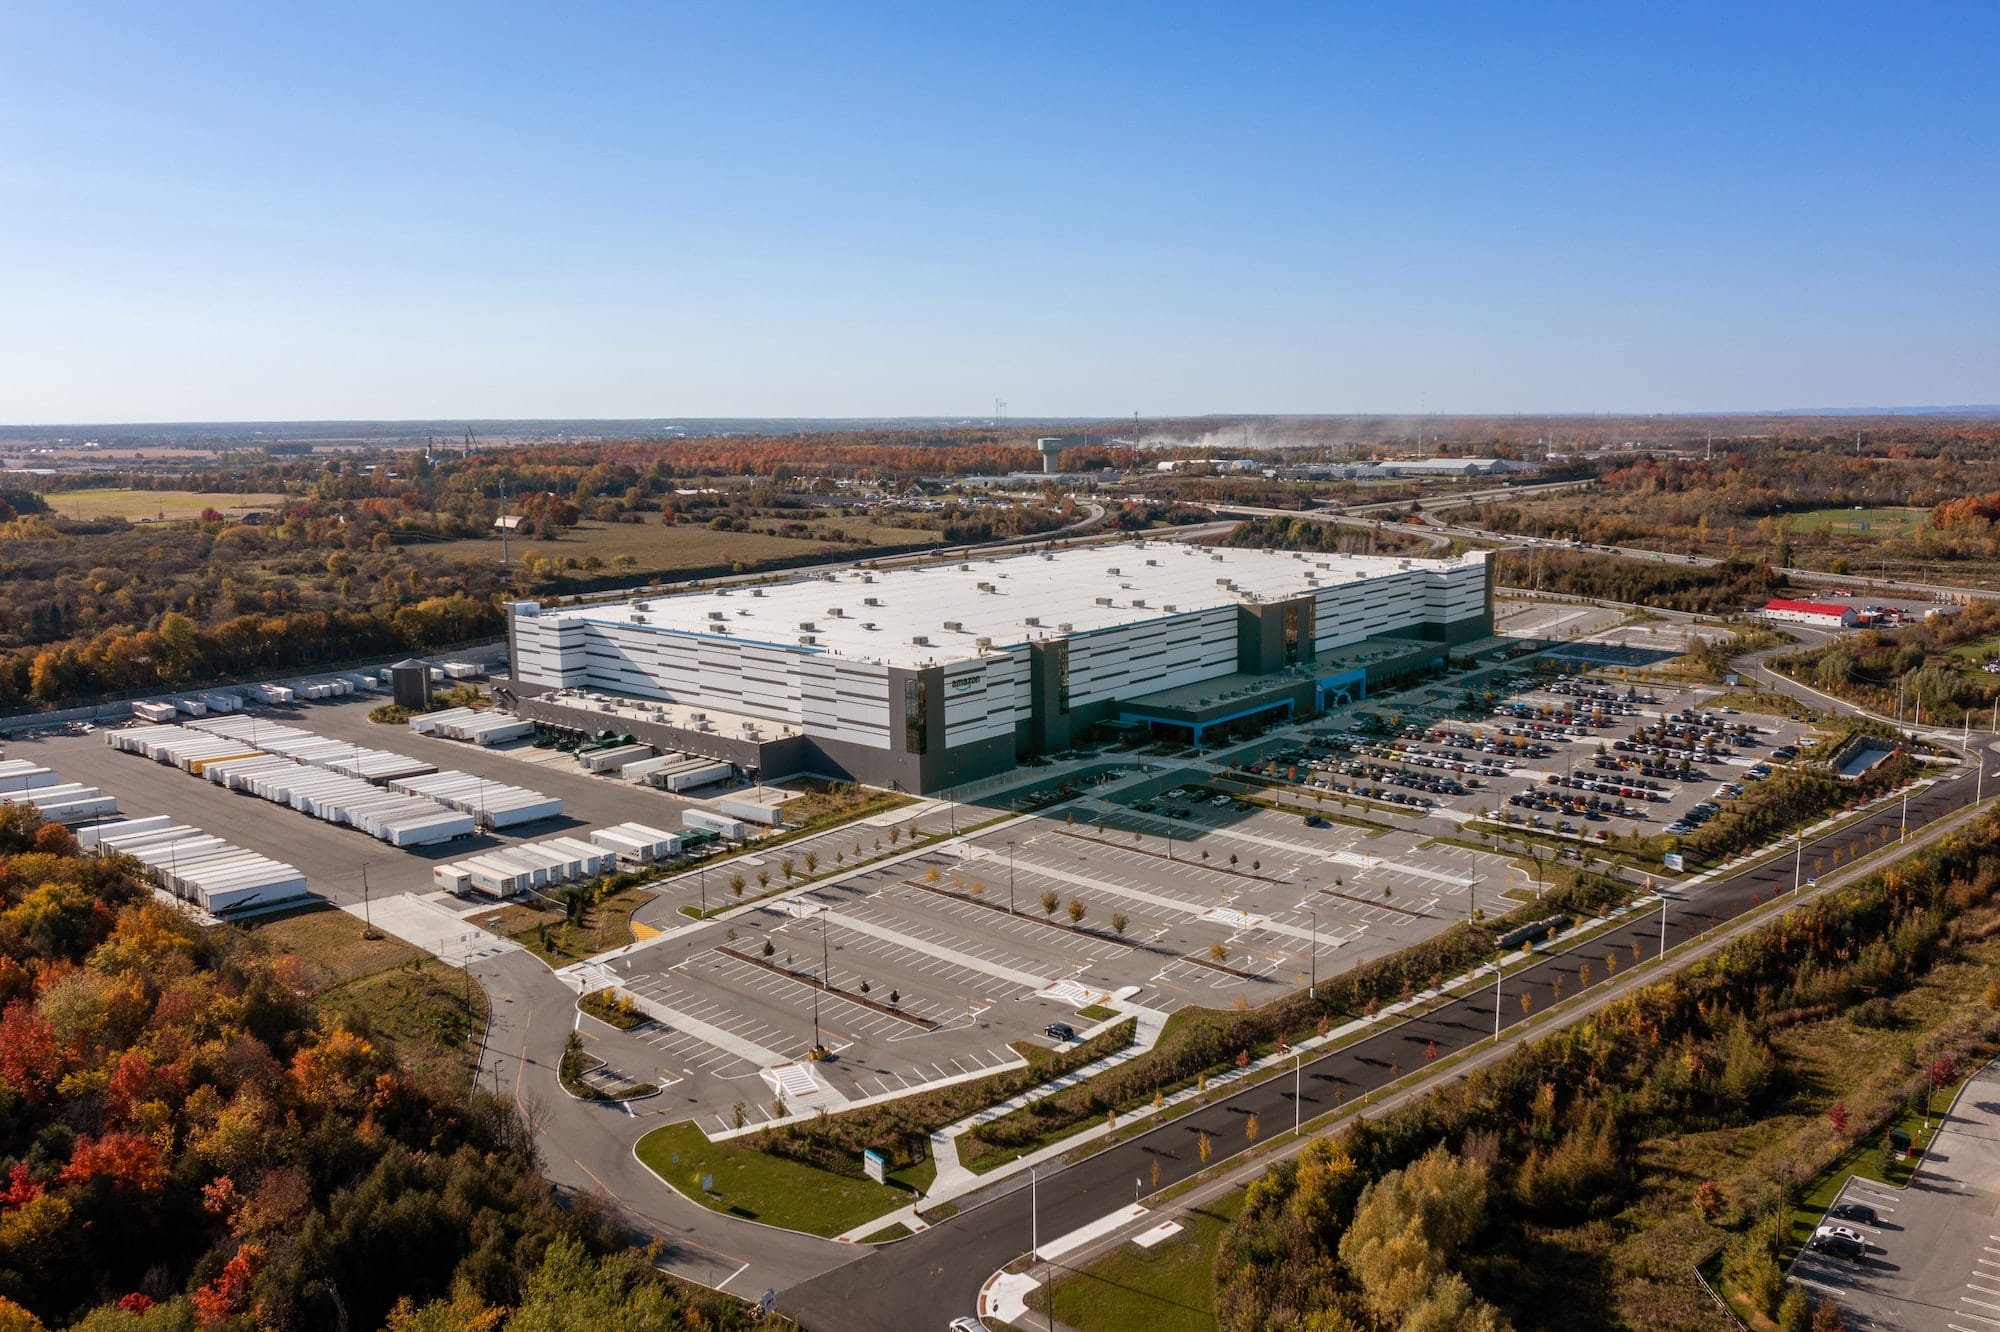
(918, 616)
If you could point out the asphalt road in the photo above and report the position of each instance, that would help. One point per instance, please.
(927, 1280)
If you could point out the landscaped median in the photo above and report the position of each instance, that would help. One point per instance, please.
(808, 1175)
(760, 1186)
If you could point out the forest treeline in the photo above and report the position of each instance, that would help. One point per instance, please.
(1716, 589)
(187, 1142)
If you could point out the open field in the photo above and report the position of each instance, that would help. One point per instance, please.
(428, 1013)
(153, 505)
(655, 548)
(1860, 522)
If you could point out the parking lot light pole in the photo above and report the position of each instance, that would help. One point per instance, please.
(1312, 988)
(1798, 856)
(1298, 1065)
(1499, 975)
(1010, 876)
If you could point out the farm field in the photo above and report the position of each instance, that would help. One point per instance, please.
(153, 505)
(654, 548)
(1883, 522)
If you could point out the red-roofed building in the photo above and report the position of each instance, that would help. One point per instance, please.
(1818, 614)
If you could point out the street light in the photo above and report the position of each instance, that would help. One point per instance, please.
(1010, 876)
(1298, 1063)
(1312, 988)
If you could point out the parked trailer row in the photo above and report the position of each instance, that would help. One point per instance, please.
(615, 758)
(155, 712)
(480, 726)
(337, 797)
(22, 775)
(637, 844)
(400, 820)
(511, 871)
(494, 804)
(370, 765)
(690, 773)
(65, 802)
(220, 878)
(709, 821)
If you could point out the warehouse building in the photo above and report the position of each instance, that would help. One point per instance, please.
(927, 677)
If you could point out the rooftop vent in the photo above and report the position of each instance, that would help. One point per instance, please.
(1065, 627)
(989, 587)
(756, 591)
(835, 612)
(1154, 563)
(1113, 571)
(868, 624)
(715, 615)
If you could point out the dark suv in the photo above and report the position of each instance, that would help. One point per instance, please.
(1839, 1246)
(1059, 1031)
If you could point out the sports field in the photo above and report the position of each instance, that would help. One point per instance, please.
(152, 505)
(1886, 522)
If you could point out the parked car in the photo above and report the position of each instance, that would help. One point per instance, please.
(1839, 1246)
(1059, 1031)
(1848, 1211)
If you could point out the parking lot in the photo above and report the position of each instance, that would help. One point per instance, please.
(1932, 1252)
(931, 968)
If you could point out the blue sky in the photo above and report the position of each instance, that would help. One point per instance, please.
(264, 212)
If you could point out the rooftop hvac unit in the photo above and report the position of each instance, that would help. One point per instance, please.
(642, 605)
(1216, 558)
(954, 626)
(1104, 601)
(982, 643)
(697, 716)
(756, 591)
(965, 568)
(1065, 627)
(1154, 563)
(806, 625)
(1047, 556)
(637, 618)
(835, 612)
(868, 624)
(715, 615)
(808, 640)
(1033, 619)
(1139, 602)
(1224, 582)
(920, 640)
(871, 601)
(988, 587)
(1170, 608)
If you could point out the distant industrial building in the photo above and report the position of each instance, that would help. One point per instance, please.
(927, 677)
(1819, 614)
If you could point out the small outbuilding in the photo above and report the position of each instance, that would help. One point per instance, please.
(410, 681)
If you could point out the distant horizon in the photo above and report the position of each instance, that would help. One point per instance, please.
(920, 420)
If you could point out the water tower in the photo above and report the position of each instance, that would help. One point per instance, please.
(1048, 446)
